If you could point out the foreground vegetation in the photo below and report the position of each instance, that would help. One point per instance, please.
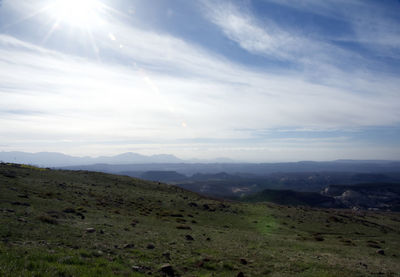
(79, 223)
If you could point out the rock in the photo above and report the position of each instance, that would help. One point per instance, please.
(176, 215)
(167, 269)
(150, 246)
(20, 204)
(189, 237)
(240, 274)
(380, 252)
(98, 253)
(90, 230)
(167, 255)
(183, 227)
(243, 261)
(69, 210)
(129, 245)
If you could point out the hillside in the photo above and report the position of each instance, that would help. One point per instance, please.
(80, 223)
(293, 198)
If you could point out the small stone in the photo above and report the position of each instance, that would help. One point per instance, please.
(167, 255)
(150, 246)
(380, 252)
(90, 230)
(240, 274)
(98, 253)
(129, 245)
(189, 237)
(243, 261)
(183, 227)
(167, 269)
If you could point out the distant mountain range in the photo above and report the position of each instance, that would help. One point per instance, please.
(133, 162)
(51, 159)
(54, 159)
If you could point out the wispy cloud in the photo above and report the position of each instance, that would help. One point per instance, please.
(373, 25)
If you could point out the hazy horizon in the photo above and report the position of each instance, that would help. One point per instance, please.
(251, 80)
(192, 160)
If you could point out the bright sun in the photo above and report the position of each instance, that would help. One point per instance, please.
(77, 13)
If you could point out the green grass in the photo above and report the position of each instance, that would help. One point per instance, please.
(45, 215)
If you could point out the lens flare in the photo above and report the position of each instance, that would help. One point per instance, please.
(77, 13)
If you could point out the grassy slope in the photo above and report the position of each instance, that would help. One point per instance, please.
(38, 237)
(289, 197)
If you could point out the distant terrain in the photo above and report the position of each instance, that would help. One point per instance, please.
(81, 223)
(292, 183)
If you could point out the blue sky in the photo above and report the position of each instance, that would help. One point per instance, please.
(257, 81)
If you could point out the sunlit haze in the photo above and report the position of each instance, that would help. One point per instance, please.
(255, 81)
(77, 13)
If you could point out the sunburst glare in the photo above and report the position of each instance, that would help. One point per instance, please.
(77, 13)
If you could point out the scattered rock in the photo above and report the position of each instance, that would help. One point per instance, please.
(150, 246)
(189, 237)
(318, 237)
(243, 261)
(98, 253)
(380, 252)
(48, 219)
(167, 269)
(183, 227)
(129, 245)
(69, 210)
(139, 268)
(240, 274)
(167, 255)
(176, 215)
(193, 204)
(90, 230)
(364, 265)
(20, 204)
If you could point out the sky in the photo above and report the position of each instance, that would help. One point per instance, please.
(250, 80)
